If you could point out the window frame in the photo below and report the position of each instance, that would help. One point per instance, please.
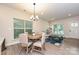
(24, 26)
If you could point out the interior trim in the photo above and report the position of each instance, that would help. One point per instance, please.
(13, 43)
(70, 38)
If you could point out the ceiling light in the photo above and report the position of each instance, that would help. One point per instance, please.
(74, 24)
(34, 17)
(69, 14)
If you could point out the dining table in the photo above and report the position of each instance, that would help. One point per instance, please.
(33, 39)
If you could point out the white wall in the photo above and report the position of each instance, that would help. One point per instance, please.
(6, 22)
(40, 26)
(68, 30)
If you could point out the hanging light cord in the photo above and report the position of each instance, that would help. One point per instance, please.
(34, 9)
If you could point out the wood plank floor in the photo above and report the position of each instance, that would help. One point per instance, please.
(69, 47)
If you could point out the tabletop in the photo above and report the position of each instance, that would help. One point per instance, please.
(35, 37)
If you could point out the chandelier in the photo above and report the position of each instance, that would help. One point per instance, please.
(34, 17)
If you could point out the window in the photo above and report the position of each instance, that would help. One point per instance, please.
(58, 29)
(21, 26)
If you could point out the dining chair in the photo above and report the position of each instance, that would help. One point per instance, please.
(40, 44)
(24, 43)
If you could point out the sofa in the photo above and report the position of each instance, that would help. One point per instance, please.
(55, 39)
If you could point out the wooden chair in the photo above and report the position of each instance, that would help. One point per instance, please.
(40, 44)
(24, 41)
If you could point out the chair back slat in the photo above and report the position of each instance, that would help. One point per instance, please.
(23, 38)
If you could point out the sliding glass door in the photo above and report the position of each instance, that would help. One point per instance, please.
(58, 29)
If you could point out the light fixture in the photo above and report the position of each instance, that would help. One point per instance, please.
(69, 14)
(34, 17)
(74, 24)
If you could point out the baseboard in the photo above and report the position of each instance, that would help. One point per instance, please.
(70, 38)
(13, 43)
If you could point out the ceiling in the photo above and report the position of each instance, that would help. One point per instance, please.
(61, 11)
(49, 11)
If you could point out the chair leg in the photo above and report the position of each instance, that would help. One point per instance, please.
(20, 51)
(42, 52)
(44, 47)
(32, 49)
(26, 50)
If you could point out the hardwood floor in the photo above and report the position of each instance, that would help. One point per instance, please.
(69, 47)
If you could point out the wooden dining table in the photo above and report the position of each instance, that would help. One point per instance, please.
(35, 37)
